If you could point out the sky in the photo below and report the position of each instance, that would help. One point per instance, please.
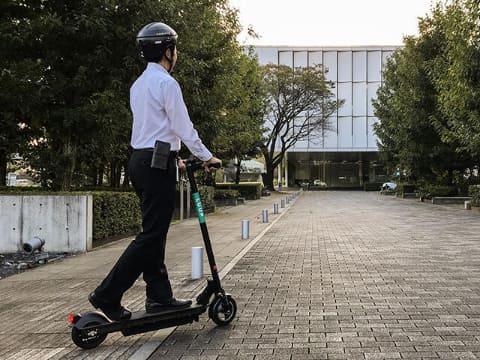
(330, 22)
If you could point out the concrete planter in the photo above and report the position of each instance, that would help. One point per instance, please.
(63, 221)
(439, 200)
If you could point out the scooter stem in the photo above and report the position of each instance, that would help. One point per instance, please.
(192, 166)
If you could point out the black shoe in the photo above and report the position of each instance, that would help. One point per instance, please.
(153, 306)
(114, 312)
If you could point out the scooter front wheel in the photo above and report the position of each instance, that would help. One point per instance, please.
(88, 339)
(222, 310)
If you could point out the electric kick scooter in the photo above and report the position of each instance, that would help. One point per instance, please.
(90, 329)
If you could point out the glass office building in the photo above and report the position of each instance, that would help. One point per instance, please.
(345, 155)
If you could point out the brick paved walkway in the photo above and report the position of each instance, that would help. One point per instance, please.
(34, 305)
(351, 275)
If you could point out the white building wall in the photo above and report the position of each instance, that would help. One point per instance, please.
(356, 73)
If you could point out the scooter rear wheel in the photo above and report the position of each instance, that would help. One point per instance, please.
(222, 310)
(90, 340)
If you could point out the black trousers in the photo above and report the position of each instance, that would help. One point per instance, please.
(146, 254)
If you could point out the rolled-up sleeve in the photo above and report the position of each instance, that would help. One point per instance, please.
(180, 122)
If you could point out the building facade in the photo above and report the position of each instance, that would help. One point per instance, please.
(345, 155)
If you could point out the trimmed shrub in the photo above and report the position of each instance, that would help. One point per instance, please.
(474, 193)
(207, 194)
(374, 186)
(226, 194)
(387, 192)
(428, 191)
(248, 190)
(405, 188)
(22, 189)
(115, 213)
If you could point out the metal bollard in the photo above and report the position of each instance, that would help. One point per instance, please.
(468, 205)
(245, 229)
(181, 198)
(287, 200)
(282, 203)
(197, 262)
(33, 244)
(265, 216)
(275, 208)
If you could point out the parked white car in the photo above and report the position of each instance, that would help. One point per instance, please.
(320, 183)
(389, 186)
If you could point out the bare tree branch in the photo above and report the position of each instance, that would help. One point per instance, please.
(301, 102)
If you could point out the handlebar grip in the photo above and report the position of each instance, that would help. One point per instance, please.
(195, 165)
(215, 166)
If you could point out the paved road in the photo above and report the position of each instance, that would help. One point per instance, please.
(34, 305)
(351, 275)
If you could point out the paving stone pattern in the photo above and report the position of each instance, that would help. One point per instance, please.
(34, 304)
(351, 275)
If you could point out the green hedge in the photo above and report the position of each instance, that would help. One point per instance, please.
(388, 192)
(22, 189)
(474, 193)
(427, 191)
(226, 194)
(115, 213)
(207, 194)
(405, 188)
(248, 190)
(373, 186)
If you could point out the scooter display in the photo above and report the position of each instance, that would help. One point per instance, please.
(90, 329)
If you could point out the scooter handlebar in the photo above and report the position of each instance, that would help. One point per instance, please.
(215, 166)
(196, 164)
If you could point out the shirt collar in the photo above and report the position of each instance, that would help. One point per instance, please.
(155, 66)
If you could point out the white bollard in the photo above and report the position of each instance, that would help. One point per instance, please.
(197, 262)
(287, 200)
(468, 205)
(282, 203)
(245, 229)
(265, 216)
(275, 208)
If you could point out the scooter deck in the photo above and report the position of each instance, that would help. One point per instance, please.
(141, 321)
(139, 315)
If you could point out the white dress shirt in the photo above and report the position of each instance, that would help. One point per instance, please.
(159, 113)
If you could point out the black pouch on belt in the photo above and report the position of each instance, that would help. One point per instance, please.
(161, 153)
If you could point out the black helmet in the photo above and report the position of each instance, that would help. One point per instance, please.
(154, 39)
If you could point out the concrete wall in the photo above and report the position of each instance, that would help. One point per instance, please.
(65, 222)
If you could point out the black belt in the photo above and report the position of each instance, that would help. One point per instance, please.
(172, 153)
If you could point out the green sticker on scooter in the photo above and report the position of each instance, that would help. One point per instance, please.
(198, 207)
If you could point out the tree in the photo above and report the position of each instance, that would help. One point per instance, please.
(69, 43)
(18, 98)
(241, 131)
(408, 106)
(86, 59)
(299, 102)
(457, 74)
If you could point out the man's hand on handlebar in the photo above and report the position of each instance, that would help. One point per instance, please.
(181, 164)
(212, 164)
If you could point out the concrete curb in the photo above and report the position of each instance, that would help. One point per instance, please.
(147, 349)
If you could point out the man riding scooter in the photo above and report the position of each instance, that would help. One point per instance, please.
(160, 123)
